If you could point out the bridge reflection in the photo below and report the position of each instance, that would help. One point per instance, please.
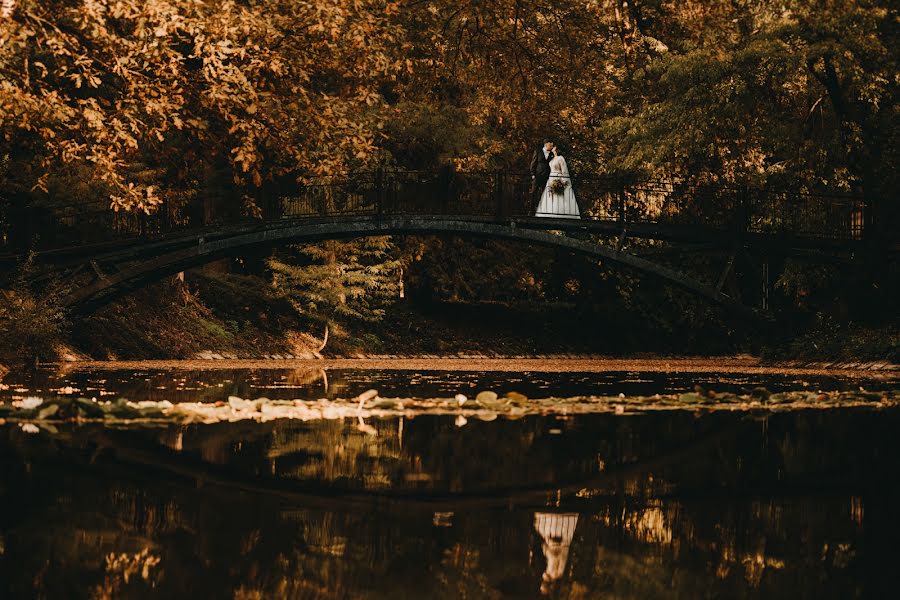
(799, 503)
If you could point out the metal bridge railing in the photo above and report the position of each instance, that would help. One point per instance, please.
(498, 195)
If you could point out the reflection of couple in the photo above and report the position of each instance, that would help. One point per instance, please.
(551, 186)
(556, 531)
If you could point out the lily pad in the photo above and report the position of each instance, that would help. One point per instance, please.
(691, 398)
(90, 408)
(486, 397)
(760, 393)
(48, 412)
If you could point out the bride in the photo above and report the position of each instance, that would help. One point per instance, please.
(558, 199)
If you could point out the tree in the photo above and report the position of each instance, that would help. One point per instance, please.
(339, 283)
(102, 90)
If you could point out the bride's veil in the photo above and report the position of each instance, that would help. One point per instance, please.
(564, 167)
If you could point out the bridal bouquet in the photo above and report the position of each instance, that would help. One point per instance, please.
(558, 186)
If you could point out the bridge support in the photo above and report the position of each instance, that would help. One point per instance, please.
(622, 237)
(205, 250)
(729, 267)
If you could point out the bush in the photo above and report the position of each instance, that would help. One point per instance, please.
(31, 325)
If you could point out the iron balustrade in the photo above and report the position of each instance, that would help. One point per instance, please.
(449, 193)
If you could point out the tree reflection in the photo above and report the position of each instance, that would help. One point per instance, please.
(770, 509)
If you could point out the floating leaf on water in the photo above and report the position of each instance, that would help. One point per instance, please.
(486, 397)
(516, 411)
(516, 397)
(89, 408)
(151, 412)
(48, 411)
(760, 393)
(238, 403)
(123, 412)
(779, 398)
(486, 408)
(29, 428)
(691, 397)
(460, 421)
(29, 403)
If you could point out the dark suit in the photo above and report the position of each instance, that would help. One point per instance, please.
(540, 173)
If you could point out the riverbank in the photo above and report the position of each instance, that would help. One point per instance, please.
(240, 317)
(225, 317)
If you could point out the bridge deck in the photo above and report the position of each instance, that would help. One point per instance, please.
(127, 250)
(674, 210)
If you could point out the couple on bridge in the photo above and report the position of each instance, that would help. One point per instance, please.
(551, 186)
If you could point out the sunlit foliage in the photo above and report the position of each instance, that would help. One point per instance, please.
(124, 87)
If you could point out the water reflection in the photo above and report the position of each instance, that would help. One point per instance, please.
(798, 504)
(182, 385)
(556, 530)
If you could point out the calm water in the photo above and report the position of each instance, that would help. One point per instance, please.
(180, 385)
(661, 505)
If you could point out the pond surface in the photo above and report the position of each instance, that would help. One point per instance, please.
(676, 504)
(587, 378)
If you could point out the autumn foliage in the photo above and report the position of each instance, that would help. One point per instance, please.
(213, 108)
(140, 101)
(136, 96)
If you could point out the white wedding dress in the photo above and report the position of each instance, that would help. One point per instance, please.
(560, 206)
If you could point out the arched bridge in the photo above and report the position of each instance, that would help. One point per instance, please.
(111, 253)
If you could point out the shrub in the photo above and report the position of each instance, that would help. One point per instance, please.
(31, 324)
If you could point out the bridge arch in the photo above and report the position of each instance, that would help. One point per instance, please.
(90, 297)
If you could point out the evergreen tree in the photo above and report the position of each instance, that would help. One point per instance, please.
(338, 282)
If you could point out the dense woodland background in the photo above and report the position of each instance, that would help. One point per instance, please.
(204, 106)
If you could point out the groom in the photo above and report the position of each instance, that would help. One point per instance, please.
(540, 171)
